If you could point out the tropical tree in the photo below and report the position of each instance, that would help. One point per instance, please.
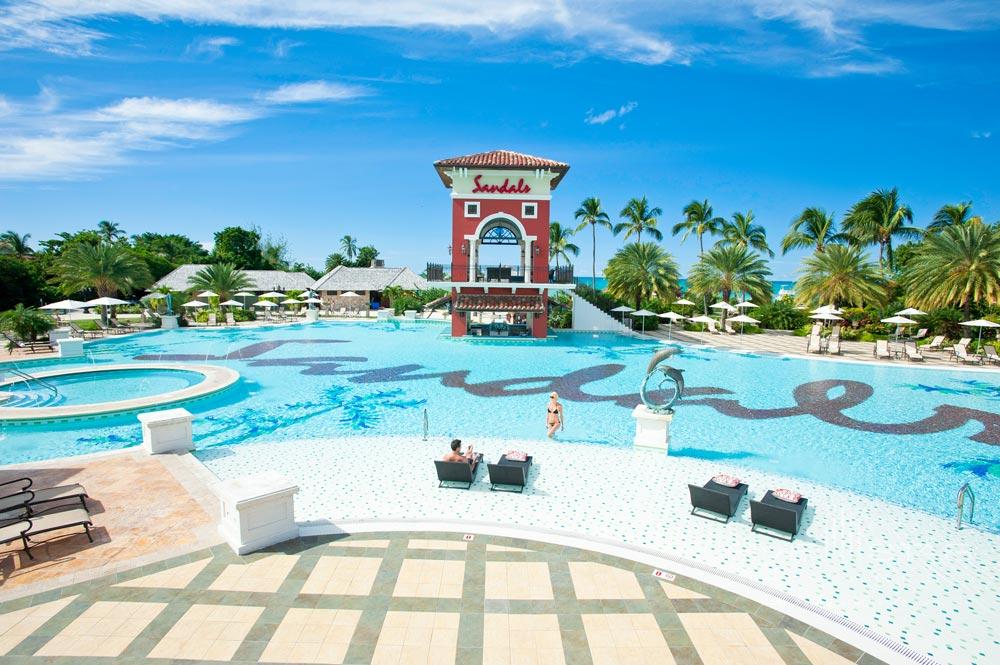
(700, 220)
(956, 266)
(222, 278)
(559, 243)
(110, 231)
(743, 232)
(813, 228)
(840, 275)
(590, 213)
(953, 214)
(728, 269)
(239, 246)
(107, 269)
(26, 322)
(641, 270)
(638, 217)
(15, 244)
(877, 219)
(349, 247)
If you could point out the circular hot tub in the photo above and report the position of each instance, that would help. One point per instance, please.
(88, 391)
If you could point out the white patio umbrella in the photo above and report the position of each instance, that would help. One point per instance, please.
(723, 306)
(264, 303)
(684, 301)
(291, 301)
(980, 323)
(350, 294)
(313, 301)
(231, 303)
(899, 321)
(243, 294)
(743, 318)
(643, 313)
(910, 311)
(827, 309)
(702, 318)
(105, 302)
(272, 294)
(746, 304)
(671, 317)
(208, 294)
(622, 309)
(195, 303)
(826, 316)
(65, 304)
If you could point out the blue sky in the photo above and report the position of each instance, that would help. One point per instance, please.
(312, 119)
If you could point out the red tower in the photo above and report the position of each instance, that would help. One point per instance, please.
(500, 276)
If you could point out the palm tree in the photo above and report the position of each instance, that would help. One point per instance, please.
(109, 231)
(590, 212)
(559, 243)
(840, 275)
(223, 278)
(349, 247)
(960, 265)
(641, 270)
(743, 232)
(699, 219)
(877, 219)
(637, 216)
(107, 269)
(813, 228)
(953, 214)
(15, 244)
(729, 269)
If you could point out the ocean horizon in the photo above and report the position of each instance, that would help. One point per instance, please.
(776, 286)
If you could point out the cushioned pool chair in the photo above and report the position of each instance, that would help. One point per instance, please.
(961, 354)
(512, 473)
(773, 514)
(910, 348)
(24, 528)
(991, 354)
(456, 472)
(882, 349)
(935, 344)
(13, 493)
(719, 501)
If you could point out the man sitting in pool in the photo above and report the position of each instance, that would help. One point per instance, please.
(456, 454)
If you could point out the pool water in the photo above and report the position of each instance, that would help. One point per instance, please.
(97, 387)
(902, 433)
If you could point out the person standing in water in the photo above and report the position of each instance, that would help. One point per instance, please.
(554, 415)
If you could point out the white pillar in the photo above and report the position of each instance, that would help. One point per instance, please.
(257, 511)
(168, 321)
(57, 334)
(166, 431)
(652, 430)
(70, 347)
(530, 251)
(312, 315)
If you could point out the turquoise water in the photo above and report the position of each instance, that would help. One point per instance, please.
(96, 387)
(906, 434)
(776, 287)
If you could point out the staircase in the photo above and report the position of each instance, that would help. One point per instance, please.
(27, 399)
(589, 318)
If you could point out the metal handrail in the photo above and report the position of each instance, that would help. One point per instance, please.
(965, 489)
(28, 378)
(426, 424)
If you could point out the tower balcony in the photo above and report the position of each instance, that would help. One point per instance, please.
(511, 276)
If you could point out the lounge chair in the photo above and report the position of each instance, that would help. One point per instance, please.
(230, 319)
(23, 528)
(729, 328)
(457, 472)
(920, 334)
(80, 332)
(712, 329)
(33, 346)
(990, 354)
(911, 352)
(964, 343)
(17, 492)
(716, 499)
(123, 327)
(777, 515)
(882, 349)
(108, 328)
(509, 472)
(935, 344)
(213, 319)
(833, 344)
(961, 354)
(815, 344)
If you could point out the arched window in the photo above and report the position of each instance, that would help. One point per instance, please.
(499, 235)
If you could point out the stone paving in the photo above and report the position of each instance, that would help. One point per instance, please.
(596, 610)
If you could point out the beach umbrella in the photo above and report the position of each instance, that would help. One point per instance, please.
(702, 318)
(272, 294)
(826, 316)
(746, 304)
(910, 311)
(671, 317)
(623, 309)
(65, 304)
(643, 313)
(243, 294)
(350, 294)
(231, 303)
(208, 294)
(105, 302)
(743, 318)
(827, 309)
(980, 323)
(723, 306)
(291, 301)
(684, 301)
(899, 321)
(195, 303)
(264, 303)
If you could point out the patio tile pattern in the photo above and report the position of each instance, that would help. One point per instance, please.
(517, 602)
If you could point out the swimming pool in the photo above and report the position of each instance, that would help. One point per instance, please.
(903, 433)
(96, 387)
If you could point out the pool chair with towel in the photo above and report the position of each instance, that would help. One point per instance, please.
(18, 493)
(882, 349)
(510, 471)
(24, 526)
(910, 349)
(833, 344)
(782, 515)
(719, 497)
(457, 472)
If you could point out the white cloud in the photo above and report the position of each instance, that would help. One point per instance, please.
(981, 135)
(607, 116)
(212, 47)
(202, 111)
(5, 107)
(314, 91)
(283, 47)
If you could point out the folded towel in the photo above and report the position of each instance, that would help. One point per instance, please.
(786, 495)
(726, 480)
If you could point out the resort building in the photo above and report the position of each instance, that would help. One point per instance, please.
(367, 283)
(262, 280)
(500, 276)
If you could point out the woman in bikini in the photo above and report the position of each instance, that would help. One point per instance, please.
(554, 416)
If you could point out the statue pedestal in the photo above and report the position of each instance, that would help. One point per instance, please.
(57, 334)
(168, 321)
(166, 431)
(70, 347)
(312, 315)
(652, 430)
(257, 511)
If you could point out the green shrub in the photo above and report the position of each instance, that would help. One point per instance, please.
(780, 315)
(943, 321)
(26, 322)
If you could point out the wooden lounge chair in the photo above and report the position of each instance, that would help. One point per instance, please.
(23, 528)
(935, 344)
(717, 500)
(920, 334)
(33, 346)
(509, 472)
(457, 472)
(882, 349)
(80, 332)
(230, 319)
(911, 352)
(990, 354)
(19, 493)
(776, 515)
(961, 354)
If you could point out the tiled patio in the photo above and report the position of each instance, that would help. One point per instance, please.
(595, 610)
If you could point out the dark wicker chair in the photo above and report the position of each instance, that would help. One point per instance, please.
(716, 500)
(457, 472)
(776, 515)
(511, 473)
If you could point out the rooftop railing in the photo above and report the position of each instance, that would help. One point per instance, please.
(504, 274)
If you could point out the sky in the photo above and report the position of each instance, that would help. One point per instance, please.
(312, 120)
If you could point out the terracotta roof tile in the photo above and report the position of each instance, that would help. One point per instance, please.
(502, 159)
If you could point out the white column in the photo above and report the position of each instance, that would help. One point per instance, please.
(166, 431)
(70, 347)
(257, 511)
(530, 251)
(652, 430)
